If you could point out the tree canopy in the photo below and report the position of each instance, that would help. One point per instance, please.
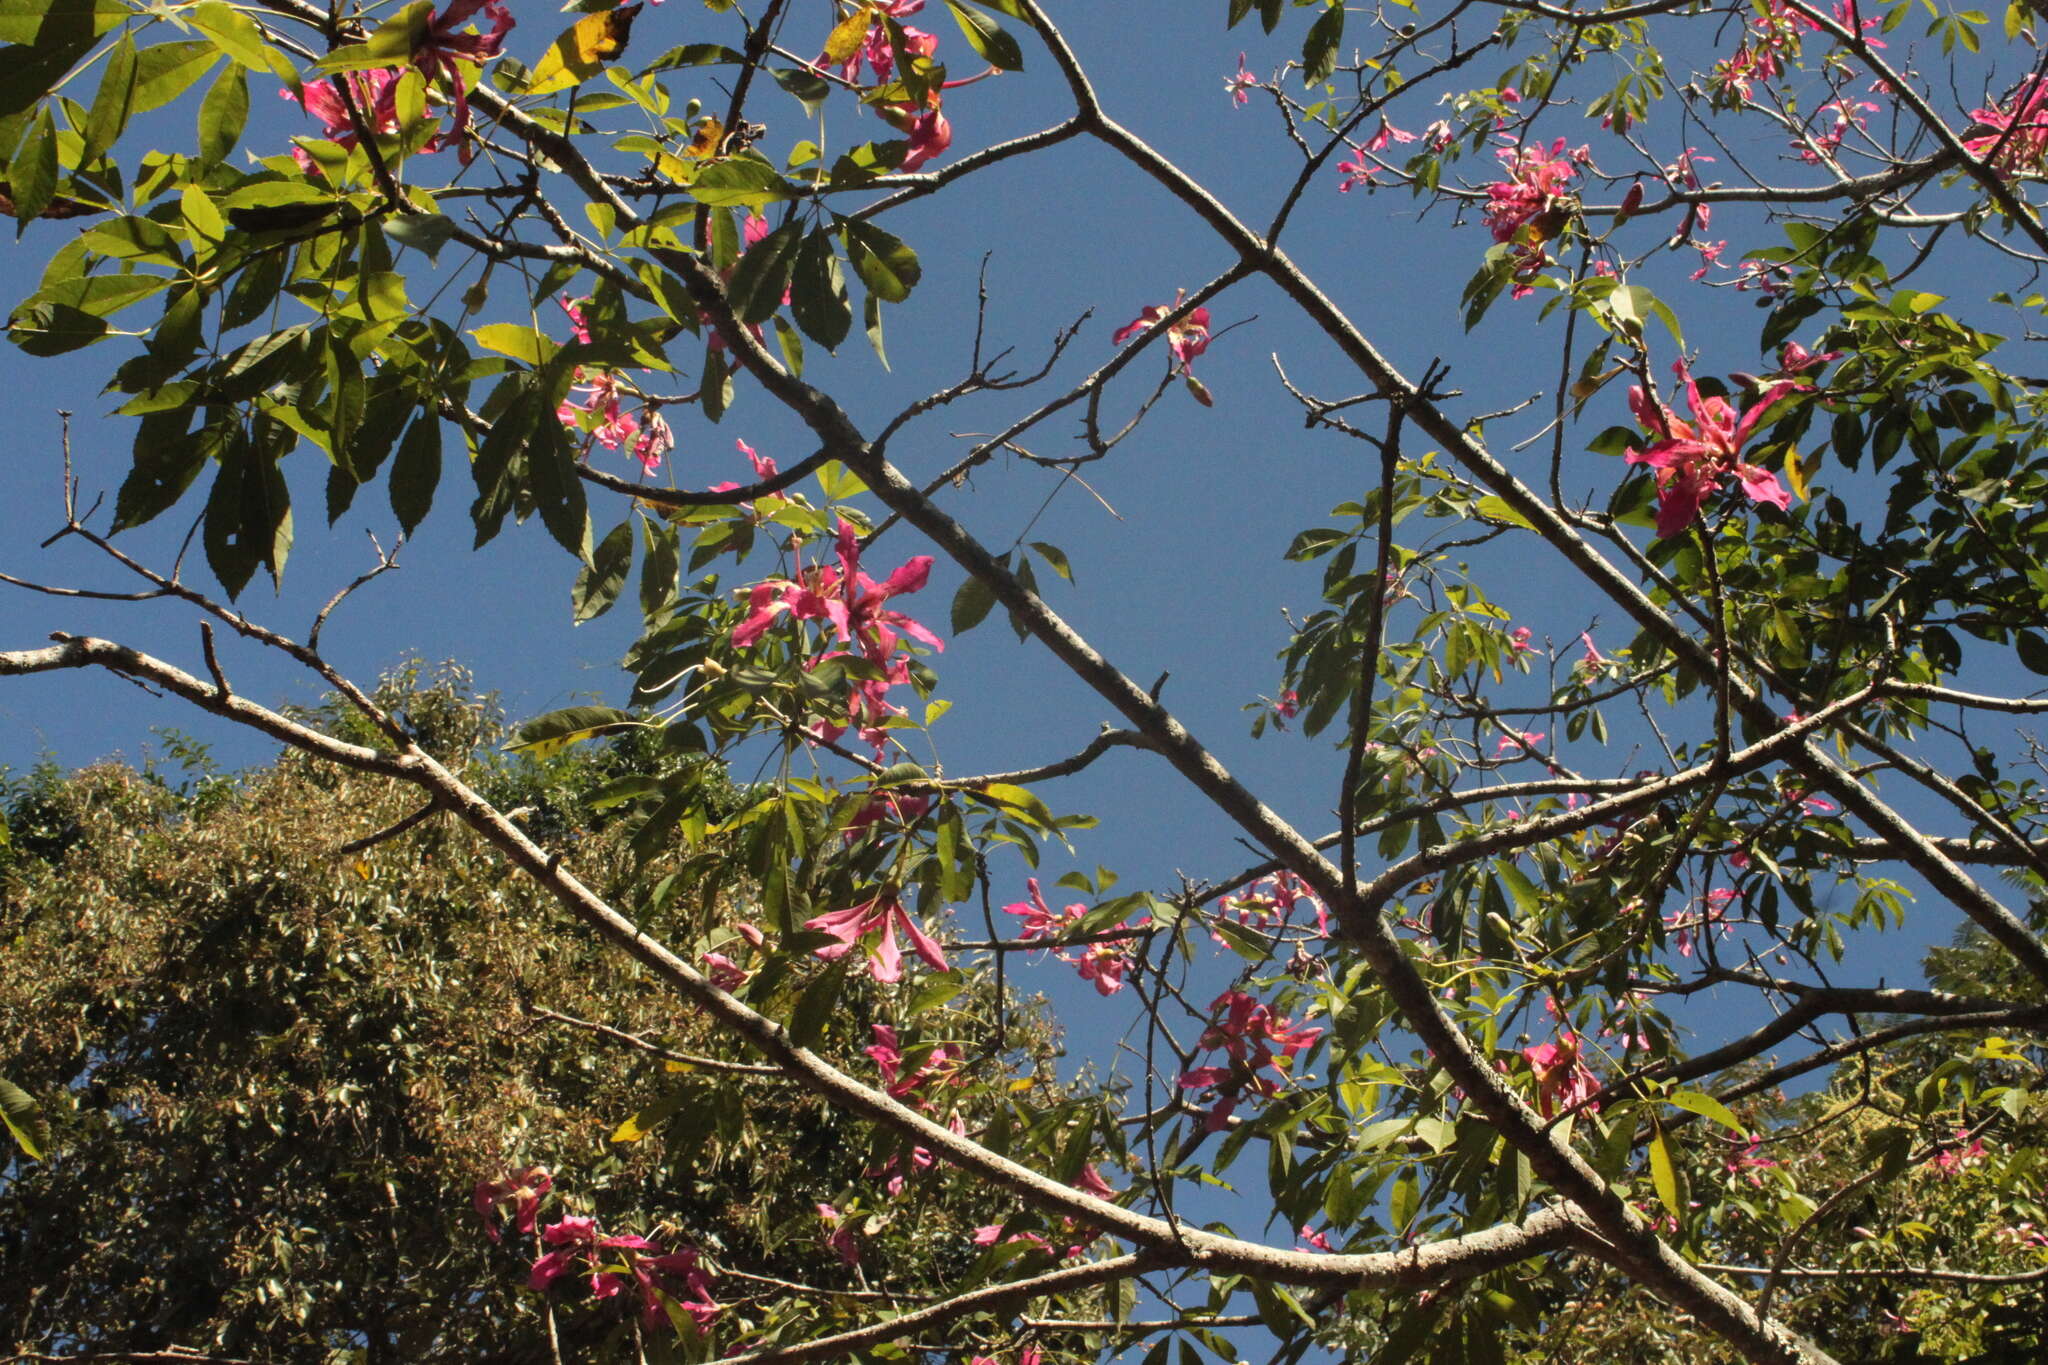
(1673, 641)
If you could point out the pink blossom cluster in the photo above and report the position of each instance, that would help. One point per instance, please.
(856, 608)
(1090, 1183)
(1957, 1153)
(516, 1196)
(602, 415)
(1692, 459)
(842, 1237)
(1185, 339)
(884, 915)
(444, 53)
(1563, 1079)
(1772, 36)
(1271, 901)
(1683, 925)
(1744, 1162)
(1102, 964)
(1363, 165)
(940, 1066)
(611, 1262)
(1531, 207)
(2014, 137)
(1253, 1039)
(925, 125)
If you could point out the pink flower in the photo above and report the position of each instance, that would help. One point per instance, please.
(1594, 663)
(602, 416)
(1533, 205)
(1103, 964)
(611, 1260)
(578, 326)
(443, 51)
(1241, 85)
(1359, 170)
(843, 1241)
(1953, 1157)
(854, 605)
(1185, 339)
(1271, 901)
(1518, 743)
(656, 439)
(1519, 641)
(522, 1191)
(375, 99)
(1288, 706)
(1693, 458)
(2014, 137)
(1091, 1182)
(1745, 1162)
(1248, 1034)
(884, 913)
(1562, 1077)
(1314, 1239)
(725, 974)
(941, 1063)
(846, 597)
(1040, 921)
(1816, 147)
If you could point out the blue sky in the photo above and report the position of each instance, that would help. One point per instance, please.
(1187, 578)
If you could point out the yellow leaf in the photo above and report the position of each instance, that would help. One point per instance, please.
(629, 1131)
(1795, 475)
(363, 869)
(678, 1068)
(706, 139)
(583, 49)
(1664, 1173)
(846, 36)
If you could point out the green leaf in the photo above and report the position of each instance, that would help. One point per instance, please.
(600, 582)
(816, 1006)
(167, 459)
(871, 319)
(112, 104)
(1319, 49)
(885, 265)
(547, 735)
(392, 44)
(45, 329)
(1406, 1199)
(423, 232)
(51, 38)
(817, 292)
(238, 36)
(168, 70)
(763, 274)
(971, 605)
(1707, 1107)
(223, 114)
(32, 174)
(24, 1120)
(988, 39)
(746, 181)
(416, 471)
(248, 514)
(650, 1118)
(660, 565)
